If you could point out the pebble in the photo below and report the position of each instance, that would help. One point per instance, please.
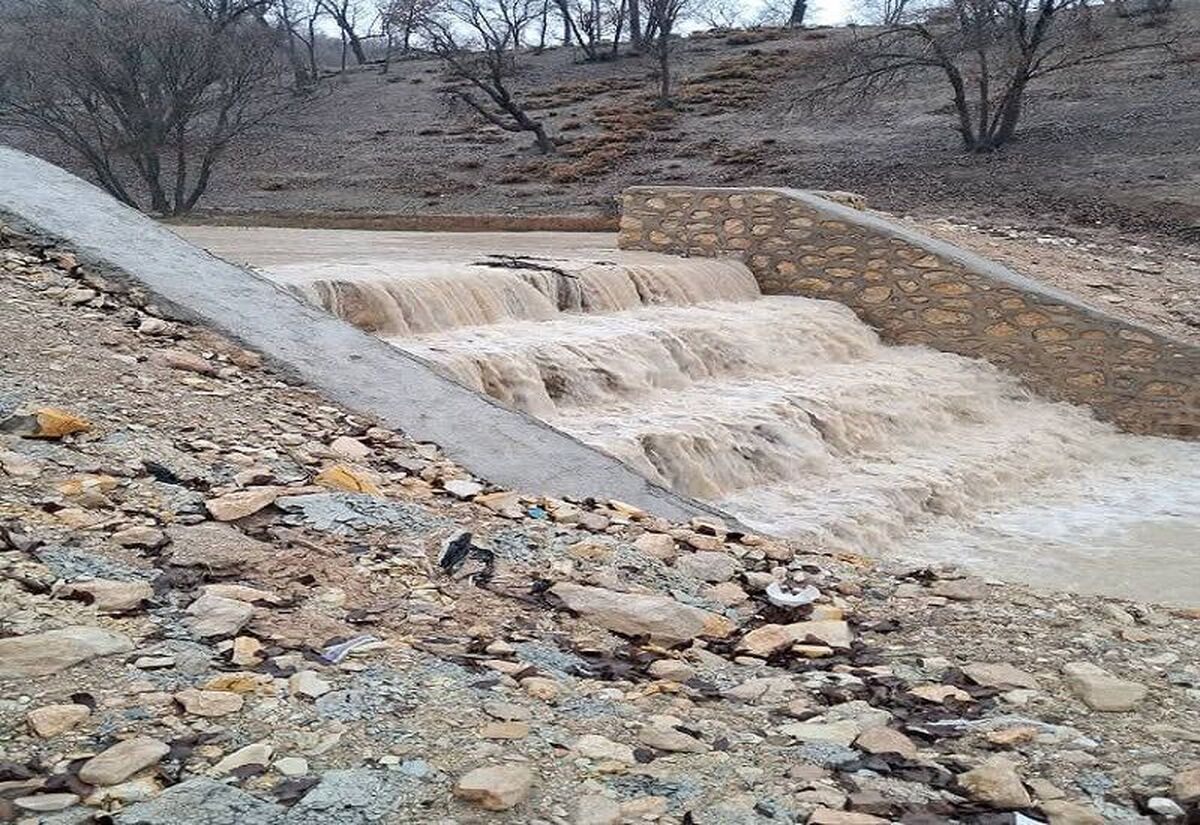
(209, 703)
(123, 760)
(495, 788)
(878, 740)
(291, 766)
(671, 740)
(1000, 675)
(39, 654)
(708, 566)
(597, 810)
(234, 506)
(602, 749)
(111, 596)
(258, 753)
(45, 803)
(1100, 690)
(51, 720)
(308, 683)
(661, 618)
(1185, 786)
(996, 784)
(218, 616)
(659, 545)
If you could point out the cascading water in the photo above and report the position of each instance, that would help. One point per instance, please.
(787, 412)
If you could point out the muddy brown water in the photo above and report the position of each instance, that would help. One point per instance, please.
(787, 412)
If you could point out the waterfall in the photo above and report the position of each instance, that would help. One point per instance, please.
(787, 412)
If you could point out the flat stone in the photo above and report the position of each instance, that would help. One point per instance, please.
(218, 547)
(960, 590)
(840, 733)
(765, 690)
(1000, 675)
(350, 448)
(308, 683)
(233, 506)
(602, 749)
(46, 422)
(997, 784)
(1062, 812)
(671, 740)
(830, 816)
(257, 754)
(1100, 690)
(505, 730)
(217, 616)
(507, 711)
(671, 670)
(178, 359)
(461, 488)
(708, 566)
(123, 760)
(39, 654)
(1185, 786)
(111, 596)
(47, 802)
(938, 694)
(348, 479)
(540, 687)
(495, 788)
(659, 545)
(879, 740)
(202, 801)
(139, 536)
(594, 809)
(51, 720)
(291, 766)
(772, 638)
(663, 619)
(209, 703)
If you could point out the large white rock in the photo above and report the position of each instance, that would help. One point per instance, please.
(663, 619)
(39, 654)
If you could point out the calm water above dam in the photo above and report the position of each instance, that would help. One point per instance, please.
(786, 412)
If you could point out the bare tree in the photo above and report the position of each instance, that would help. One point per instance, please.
(883, 12)
(149, 95)
(399, 21)
(661, 17)
(595, 25)
(477, 41)
(298, 19)
(989, 52)
(722, 14)
(345, 14)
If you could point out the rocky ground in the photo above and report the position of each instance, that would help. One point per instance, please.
(224, 599)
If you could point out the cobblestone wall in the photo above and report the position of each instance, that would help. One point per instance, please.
(916, 290)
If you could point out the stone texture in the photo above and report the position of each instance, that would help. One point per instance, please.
(218, 616)
(122, 761)
(51, 720)
(1185, 786)
(495, 788)
(708, 566)
(218, 547)
(772, 638)
(1001, 675)
(38, 654)
(1100, 690)
(662, 619)
(233, 506)
(996, 784)
(111, 596)
(885, 740)
(209, 702)
(916, 290)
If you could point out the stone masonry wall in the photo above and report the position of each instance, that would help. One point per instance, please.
(916, 290)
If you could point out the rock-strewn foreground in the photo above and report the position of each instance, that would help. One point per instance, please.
(223, 599)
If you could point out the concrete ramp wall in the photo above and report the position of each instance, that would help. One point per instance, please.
(917, 290)
(350, 367)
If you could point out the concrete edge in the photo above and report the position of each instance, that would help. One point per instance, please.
(348, 366)
(943, 249)
(399, 222)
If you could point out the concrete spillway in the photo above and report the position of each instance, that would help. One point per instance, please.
(787, 412)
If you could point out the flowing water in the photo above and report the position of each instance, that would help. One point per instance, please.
(786, 412)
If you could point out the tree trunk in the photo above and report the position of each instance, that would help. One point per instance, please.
(799, 9)
(635, 25)
(664, 67)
